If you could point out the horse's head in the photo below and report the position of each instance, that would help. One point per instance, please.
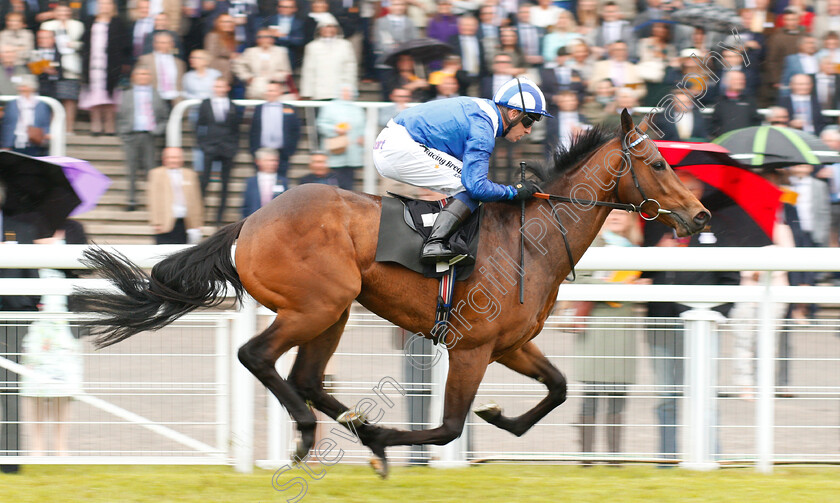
(652, 184)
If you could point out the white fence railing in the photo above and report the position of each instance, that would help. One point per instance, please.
(701, 340)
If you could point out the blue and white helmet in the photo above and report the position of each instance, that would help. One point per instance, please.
(515, 91)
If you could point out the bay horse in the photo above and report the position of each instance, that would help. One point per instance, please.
(310, 253)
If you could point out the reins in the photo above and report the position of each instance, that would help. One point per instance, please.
(629, 207)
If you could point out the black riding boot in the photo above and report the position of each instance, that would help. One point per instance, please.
(436, 248)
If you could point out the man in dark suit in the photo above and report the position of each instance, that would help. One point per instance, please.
(266, 184)
(530, 36)
(11, 337)
(804, 61)
(276, 126)
(566, 124)
(802, 105)
(217, 134)
(690, 126)
(287, 28)
(467, 45)
(734, 109)
(502, 72)
(559, 77)
(827, 86)
(736, 64)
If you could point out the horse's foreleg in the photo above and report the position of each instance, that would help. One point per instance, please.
(466, 369)
(528, 360)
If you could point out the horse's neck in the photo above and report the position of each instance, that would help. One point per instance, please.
(594, 180)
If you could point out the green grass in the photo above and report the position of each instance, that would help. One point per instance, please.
(485, 483)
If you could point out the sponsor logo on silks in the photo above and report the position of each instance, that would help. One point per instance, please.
(437, 166)
(378, 145)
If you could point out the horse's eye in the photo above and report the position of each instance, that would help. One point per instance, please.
(658, 165)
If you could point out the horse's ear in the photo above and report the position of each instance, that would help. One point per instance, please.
(626, 121)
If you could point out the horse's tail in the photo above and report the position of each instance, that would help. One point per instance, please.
(192, 278)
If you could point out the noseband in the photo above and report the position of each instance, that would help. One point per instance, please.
(632, 208)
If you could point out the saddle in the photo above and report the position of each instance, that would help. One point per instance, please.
(405, 224)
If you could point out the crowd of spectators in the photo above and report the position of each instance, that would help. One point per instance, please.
(128, 62)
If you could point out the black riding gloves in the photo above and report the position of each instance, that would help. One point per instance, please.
(525, 190)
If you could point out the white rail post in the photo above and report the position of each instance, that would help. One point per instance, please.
(370, 175)
(453, 454)
(223, 386)
(765, 379)
(700, 435)
(242, 436)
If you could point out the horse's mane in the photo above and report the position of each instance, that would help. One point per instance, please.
(565, 159)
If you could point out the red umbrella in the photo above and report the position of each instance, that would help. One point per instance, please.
(711, 164)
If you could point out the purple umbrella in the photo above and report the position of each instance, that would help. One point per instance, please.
(88, 182)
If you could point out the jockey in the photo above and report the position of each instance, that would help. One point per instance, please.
(445, 146)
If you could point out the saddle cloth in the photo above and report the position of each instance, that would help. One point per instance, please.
(405, 224)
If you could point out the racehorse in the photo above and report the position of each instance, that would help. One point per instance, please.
(311, 252)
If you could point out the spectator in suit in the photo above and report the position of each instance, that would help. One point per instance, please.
(142, 27)
(488, 31)
(142, 117)
(261, 188)
(343, 118)
(804, 61)
(10, 72)
(26, 120)
(613, 28)
(12, 332)
(597, 106)
(690, 125)
(275, 126)
(560, 35)
(161, 24)
(393, 29)
(735, 108)
(176, 212)
(503, 71)
(802, 105)
(735, 63)
(68, 34)
(18, 36)
(167, 70)
(558, 77)
(259, 65)
(618, 69)
(530, 36)
(319, 171)
(443, 25)
(545, 14)
(827, 86)
(217, 135)
(106, 56)
(566, 124)
(287, 28)
(328, 63)
(782, 43)
(468, 46)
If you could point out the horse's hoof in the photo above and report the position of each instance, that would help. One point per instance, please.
(300, 451)
(489, 411)
(351, 418)
(380, 466)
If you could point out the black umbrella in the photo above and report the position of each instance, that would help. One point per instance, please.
(711, 17)
(422, 50)
(37, 192)
(776, 147)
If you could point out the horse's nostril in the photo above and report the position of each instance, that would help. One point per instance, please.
(702, 218)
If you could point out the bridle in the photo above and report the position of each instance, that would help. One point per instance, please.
(632, 208)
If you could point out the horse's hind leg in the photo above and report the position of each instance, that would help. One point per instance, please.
(259, 355)
(528, 360)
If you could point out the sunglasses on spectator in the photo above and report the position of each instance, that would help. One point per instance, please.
(530, 119)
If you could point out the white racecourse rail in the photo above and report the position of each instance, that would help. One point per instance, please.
(701, 430)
